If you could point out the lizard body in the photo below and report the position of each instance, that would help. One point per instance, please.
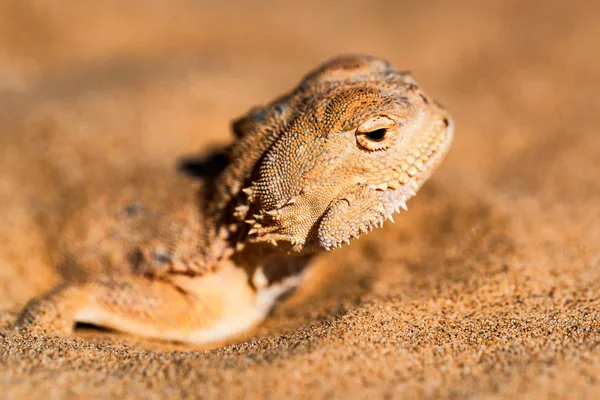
(200, 262)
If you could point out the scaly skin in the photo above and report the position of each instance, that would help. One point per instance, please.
(173, 259)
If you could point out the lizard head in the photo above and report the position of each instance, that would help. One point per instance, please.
(337, 156)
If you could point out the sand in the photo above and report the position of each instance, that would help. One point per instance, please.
(488, 287)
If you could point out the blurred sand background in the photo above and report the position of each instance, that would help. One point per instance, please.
(488, 287)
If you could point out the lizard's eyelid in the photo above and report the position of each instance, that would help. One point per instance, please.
(373, 124)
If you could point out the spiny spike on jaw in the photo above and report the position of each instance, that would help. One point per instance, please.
(407, 187)
(273, 213)
(291, 200)
(248, 191)
(277, 212)
(393, 185)
(286, 203)
(295, 242)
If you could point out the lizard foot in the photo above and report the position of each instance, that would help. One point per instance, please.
(52, 313)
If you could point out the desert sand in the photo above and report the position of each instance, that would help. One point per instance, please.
(488, 287)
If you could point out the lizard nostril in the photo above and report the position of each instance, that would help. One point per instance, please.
(446, 122)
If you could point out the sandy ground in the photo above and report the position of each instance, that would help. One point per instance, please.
(488, 287)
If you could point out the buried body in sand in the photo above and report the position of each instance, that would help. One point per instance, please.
(200, 262)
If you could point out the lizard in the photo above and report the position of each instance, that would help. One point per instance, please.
(203, 261)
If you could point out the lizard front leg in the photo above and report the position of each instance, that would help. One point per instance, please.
(201, 309)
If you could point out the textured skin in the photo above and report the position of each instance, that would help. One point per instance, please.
(172, 258)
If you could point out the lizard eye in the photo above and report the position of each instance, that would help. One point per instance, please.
(375, 134)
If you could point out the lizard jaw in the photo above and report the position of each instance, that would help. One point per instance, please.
(391, 200)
